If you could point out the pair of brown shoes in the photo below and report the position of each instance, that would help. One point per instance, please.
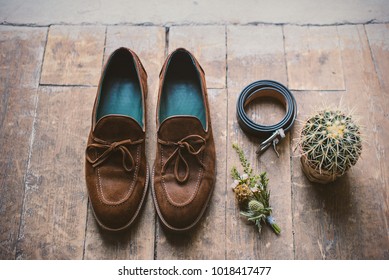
(116, 170)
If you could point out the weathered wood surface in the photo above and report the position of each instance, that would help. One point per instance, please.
(313, 58)
(210, 233)
(208, 45)
(137, 242)
(321, 222)
(55, 201)
(21, 50)
(261, 56)
(43, 131)
(348, 218)
(19, 76)
(73, 55)
(324, 224)
(370, 176)
(378, 36)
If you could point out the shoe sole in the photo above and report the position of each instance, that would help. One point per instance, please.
(170, 227)
(137, 210)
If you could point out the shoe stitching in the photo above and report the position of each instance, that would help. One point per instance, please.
(101, 196)
(137, 210)
(161, 216)
(193, 195)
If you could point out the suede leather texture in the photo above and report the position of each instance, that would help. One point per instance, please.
(117, 185)
(183, 139)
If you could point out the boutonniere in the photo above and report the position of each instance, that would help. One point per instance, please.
(252, 194)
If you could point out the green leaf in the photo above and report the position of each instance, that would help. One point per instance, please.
(256, 217)
(246, 214)
(263, 195)
(243, 160)
(235, 173)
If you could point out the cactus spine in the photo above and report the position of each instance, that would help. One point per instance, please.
(330, 143)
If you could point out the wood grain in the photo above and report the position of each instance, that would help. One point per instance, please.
(43, 133)
(379, 44)
(313, 58)
(378, 36)
(347, 219)
(325, 217)
(15, 126)
(210, 233)
(208, 45)
(55, 205)
(73, 55)
(261, 56)
(20, 66)
(19, 76)
(138, 241)
(371, 104)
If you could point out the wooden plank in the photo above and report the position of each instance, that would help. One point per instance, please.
(378, 35)
(20, 68)
(210, 233)
(15, 126)
(138, 241)
(208, 44)
(348, 218)
(256, 53)
(55, 204)
(372, 103)
(313, 58)
(73, 55)
(207, 240)
(248, 62)
(325, 217)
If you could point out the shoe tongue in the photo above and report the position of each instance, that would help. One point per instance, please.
(113, 128)
(176, 128)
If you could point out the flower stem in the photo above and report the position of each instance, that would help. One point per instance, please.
(270, 220)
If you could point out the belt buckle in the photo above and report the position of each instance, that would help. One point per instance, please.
(274, 139)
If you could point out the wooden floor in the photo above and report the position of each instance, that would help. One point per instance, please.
(48, 83)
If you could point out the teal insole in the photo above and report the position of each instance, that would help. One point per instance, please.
(121, 93)
(121, 96)
(182, 90)
(183, 98)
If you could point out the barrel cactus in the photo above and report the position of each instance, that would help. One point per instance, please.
(330, 143)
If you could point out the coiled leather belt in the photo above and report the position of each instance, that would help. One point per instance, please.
(273, 133)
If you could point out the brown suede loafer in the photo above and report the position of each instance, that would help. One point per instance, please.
(184, 169)
(116, 170)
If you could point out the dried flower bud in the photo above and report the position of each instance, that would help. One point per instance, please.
(242, 192)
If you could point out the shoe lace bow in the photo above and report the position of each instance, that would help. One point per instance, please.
(193, 144)
(108, 149)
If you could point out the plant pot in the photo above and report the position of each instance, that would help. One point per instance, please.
(314, 175)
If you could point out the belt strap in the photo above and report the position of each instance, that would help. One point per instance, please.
(273, 133)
